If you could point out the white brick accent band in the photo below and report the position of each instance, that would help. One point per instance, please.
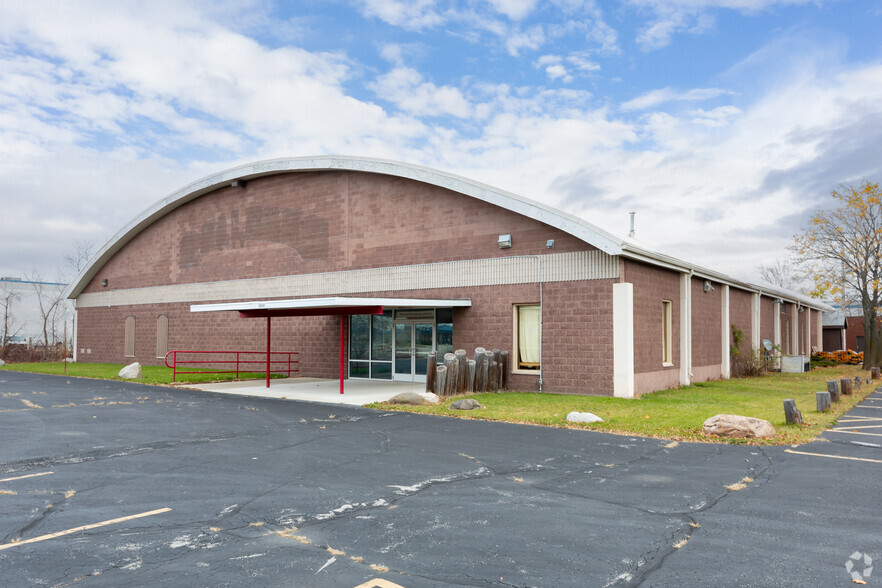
(557, 267)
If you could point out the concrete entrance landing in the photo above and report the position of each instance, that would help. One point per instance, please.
(356, 392)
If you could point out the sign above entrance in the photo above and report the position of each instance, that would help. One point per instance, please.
(422, 314)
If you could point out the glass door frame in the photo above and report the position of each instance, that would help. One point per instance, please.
(412, 376)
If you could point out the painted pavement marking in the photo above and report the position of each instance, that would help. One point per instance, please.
(27, 476)
(85, 528)
(833, 456)
(379, 583)
(854, 432)
(861, 427)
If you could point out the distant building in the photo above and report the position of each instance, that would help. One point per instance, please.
(835, 329)
(443, 262)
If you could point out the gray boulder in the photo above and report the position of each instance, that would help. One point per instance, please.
(583, 417)
(431, 397)
(730, 425)
(131, 372)
(466, 404)
(2, 363)
(413, 398)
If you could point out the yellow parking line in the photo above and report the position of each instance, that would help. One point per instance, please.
(84, 528)
(379, 583)
(834, 456)
(862, 427)
(27, 476)
(851, 432)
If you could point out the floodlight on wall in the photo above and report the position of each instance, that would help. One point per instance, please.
(708, 286)
(104, 282)
(550, 244)
(505, 241)
(238, 184)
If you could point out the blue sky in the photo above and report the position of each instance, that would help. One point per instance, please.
(723, 123)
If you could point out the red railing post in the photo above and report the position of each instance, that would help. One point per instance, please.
(268, 341)
(175, 366)
(237, 365)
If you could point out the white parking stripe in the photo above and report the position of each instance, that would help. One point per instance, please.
(833, 456)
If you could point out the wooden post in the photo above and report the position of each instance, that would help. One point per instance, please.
(485, 371)
(449, 363)
(440, 380)
(874, 373)
(845, 386)
(857, 382)
(791, 413)
(462, 370)
(431, 365)
(823, 400)
(833, 389)
(494, 367)
(503, 384)
(472, 371)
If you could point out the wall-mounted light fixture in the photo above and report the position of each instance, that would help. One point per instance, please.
(550, 244)
(708, 286)
(238, 184)
(104, 282)
(505, 241)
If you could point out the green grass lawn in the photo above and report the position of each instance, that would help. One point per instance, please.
(674, 414)
(109, 371)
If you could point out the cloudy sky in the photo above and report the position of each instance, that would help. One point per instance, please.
(723, 123)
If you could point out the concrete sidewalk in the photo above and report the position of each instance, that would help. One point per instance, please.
(355, 392)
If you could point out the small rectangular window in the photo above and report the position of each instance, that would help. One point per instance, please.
(130, 337)
(667, 333)
(527, 337)
(161, 336)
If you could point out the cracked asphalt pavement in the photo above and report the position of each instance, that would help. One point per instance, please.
(266, 492)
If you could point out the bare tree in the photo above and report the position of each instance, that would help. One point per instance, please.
(781, 274)
(841, 251)
(79, 256)
(49, 297)
(9, 297)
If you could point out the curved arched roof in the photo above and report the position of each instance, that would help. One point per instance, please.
(565, 222)
(579, 228)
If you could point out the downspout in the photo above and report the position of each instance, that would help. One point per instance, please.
(691, 375)
(539, 261)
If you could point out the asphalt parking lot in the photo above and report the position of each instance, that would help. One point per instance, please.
(109, 483)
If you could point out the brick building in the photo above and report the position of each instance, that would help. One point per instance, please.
(453, 263)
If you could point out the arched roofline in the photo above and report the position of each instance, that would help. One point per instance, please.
(568, 223)
(573, 225)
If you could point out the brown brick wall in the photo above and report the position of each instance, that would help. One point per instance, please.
(740, 315)
(706, 322)
(577, 332)
(652, 285)
(816, 324)
(311, 222)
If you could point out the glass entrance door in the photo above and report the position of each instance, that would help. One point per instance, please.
(413, 342)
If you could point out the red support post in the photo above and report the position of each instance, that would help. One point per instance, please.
(237, 365)
(268, 341)
(175, 366)
(342, 323)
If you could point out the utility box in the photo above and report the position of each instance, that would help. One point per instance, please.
(792, 364)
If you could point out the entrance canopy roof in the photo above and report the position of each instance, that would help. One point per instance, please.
(337, 305)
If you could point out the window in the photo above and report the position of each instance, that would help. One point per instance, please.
(667, 336)
(370, 346)
(527, 337)
(130, 337)
(161, 336)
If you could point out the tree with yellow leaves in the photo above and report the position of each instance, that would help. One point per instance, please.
(840, 250)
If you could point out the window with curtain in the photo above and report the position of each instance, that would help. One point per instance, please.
(528, 342)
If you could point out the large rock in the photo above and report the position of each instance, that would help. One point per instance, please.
(466, 404)
(730, 425)
(131, 372)
(583, 417)
(414, 398)
(2, 363)
(431, 397)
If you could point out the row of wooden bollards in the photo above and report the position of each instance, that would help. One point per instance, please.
(836, 389)
(487, 372)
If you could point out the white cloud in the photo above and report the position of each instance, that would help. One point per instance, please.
(404, 87)
(409, 14)
(514, 9)
(660, 96)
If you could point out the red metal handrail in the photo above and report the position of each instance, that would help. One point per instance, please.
(289, 359)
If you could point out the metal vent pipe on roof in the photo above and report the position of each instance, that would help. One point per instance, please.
(633, 232)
